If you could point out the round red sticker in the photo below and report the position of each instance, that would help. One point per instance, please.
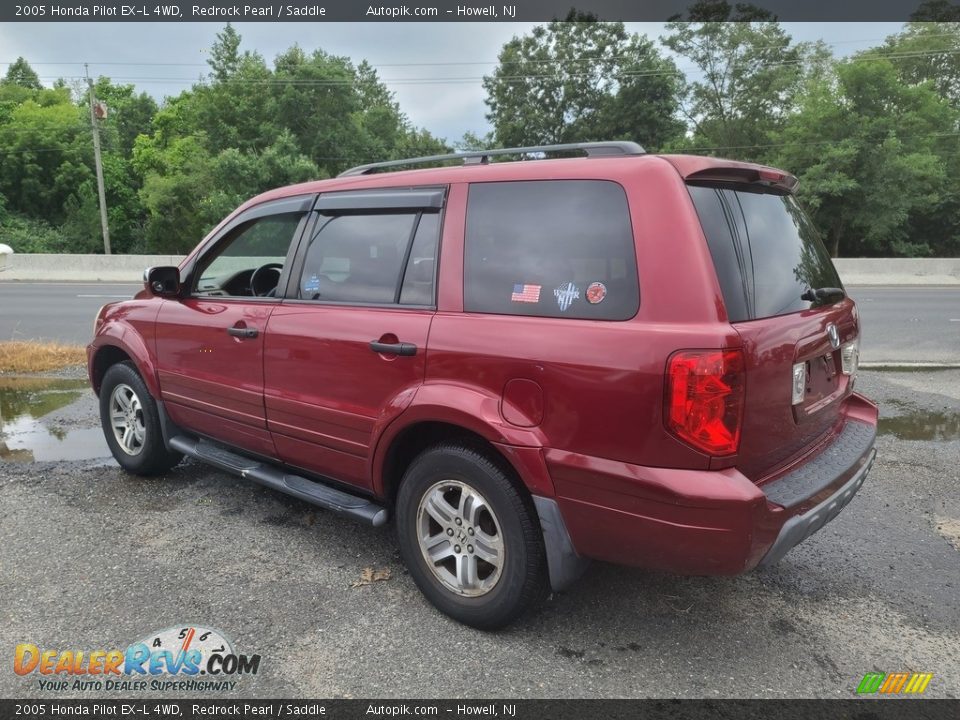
(596, 293)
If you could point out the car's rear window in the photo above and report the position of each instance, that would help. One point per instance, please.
(765, 250)
(552, 248)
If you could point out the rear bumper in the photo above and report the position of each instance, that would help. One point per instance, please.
(799, 527)
(709, 522)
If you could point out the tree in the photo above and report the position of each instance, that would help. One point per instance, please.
(722, 11)
(22, 75)
(926, 52)
(225, 54)
(129, 113)
(46, 153)
(582, 80)
(869, 154)
(748, 74)
(936, 11)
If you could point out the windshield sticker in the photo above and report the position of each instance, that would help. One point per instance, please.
(596, 293)
(525, 293)
(565, 295)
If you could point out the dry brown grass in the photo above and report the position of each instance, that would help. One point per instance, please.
(27, 356)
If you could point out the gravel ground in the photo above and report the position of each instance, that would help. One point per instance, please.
(93, 558)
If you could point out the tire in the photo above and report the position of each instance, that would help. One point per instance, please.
(488, 563)
(125, 403)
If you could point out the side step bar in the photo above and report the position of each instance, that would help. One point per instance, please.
(338, 501)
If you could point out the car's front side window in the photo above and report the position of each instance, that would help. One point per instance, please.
(250, 260)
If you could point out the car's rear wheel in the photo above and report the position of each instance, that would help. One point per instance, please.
(131, 423)
(470, 537)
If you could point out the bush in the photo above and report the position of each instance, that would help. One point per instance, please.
(26, 235)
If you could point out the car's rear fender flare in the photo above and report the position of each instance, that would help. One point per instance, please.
(476, 411)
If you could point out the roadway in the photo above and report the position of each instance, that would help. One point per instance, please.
(904, 324)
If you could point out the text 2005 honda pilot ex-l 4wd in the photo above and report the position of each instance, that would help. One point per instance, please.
(641, 359)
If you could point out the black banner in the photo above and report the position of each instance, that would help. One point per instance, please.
(874, 709)
(477, 11)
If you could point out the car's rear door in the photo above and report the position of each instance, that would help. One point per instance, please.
(210, 341)
(347, 346)
(768, 258)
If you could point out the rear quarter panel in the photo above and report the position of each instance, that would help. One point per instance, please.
(602, 382)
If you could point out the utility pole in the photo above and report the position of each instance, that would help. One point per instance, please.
(99, 164)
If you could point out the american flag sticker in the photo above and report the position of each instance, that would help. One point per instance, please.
(525, 293)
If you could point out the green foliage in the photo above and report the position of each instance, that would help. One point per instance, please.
(875, 138)
(172, 173)
(582, 80)
(46, 153)
(927, 52)
(748, 76)
(22, 75)
(253, 127)
(30, 235)
(868, 150)
(225, 54)
(129, 114)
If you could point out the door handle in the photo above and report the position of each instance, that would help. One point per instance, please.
(393, 348)
(243, 332)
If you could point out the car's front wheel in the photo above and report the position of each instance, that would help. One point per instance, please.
(131, 423)
(470, 537)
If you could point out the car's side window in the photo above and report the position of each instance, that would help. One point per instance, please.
(554, 248)
(381, 259)
(419, 278)
(249, 262)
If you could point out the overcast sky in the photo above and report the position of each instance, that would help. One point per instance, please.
(410, 57)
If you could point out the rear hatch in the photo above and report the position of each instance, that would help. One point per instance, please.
(799, 345)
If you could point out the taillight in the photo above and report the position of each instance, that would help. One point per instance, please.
(850, 357)
(704, 403)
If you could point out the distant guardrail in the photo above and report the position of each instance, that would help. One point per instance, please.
(129, 269)
(898, 271)
(58, 267)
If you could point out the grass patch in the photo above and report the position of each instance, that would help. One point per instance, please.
(25, 356)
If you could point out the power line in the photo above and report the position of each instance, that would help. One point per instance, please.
(471, 79)
(699, 148)
(816, 142)
(464, 62)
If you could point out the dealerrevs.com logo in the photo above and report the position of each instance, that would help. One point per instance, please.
(189, 658)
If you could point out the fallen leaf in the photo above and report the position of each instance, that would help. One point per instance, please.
(369, 576)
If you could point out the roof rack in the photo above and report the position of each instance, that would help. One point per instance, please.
(482, 157)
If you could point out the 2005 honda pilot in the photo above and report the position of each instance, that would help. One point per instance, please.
(608, 355)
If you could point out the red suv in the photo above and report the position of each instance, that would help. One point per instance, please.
(641, 359)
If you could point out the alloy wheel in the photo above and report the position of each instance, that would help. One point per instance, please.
(126, 419)
(460, 538)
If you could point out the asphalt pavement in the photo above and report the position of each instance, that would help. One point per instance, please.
(909, 324)
(63, 312)
(92, 558)
(900, 324)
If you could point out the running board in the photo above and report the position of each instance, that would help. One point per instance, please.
(337, 501)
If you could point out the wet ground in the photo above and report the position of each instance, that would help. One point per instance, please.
(93, 558)
(46, 419)
(49, 418)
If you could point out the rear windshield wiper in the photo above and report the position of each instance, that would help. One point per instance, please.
(824, 295)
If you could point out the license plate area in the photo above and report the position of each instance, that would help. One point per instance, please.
(825, 384)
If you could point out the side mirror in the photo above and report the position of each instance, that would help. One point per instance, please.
(162, 281)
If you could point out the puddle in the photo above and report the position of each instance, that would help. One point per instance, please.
(921, 424)
(23, 438)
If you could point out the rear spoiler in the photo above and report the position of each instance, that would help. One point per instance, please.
(768, 177)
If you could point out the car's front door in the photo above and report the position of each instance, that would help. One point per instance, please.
(210, 341)
(348, 345)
